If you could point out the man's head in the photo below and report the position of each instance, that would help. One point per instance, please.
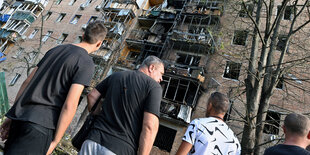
(217, 105)
(153, 67)
(296, 126)
(95, 33)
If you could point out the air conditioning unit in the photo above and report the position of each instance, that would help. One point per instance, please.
(23, 37)
(83, 6)
(98, 7)
(84, 26)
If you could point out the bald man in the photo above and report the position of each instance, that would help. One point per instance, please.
(297, 136)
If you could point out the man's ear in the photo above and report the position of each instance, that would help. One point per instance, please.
(284, 130)
(98, 44)
(151, 68)
(308, 135)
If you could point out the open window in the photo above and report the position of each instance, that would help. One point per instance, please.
(272, 123)
(232, 70)
(133, 55)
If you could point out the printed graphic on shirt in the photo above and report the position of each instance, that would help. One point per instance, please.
(211, 136)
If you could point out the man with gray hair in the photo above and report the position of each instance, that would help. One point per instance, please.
(210, 135)
(128, 119)
(297, 136)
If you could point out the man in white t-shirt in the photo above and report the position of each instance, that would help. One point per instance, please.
(211, 135)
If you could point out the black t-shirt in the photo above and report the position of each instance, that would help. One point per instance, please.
(283, 149)
(127, 95)
(43, 98)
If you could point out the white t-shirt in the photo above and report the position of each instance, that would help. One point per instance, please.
(211, 136)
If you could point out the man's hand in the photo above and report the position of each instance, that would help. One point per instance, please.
(5, 128)
(51, 148)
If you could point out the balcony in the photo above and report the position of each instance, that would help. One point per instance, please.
(23, 16)
(41, 2)
(118, 15)
(204, 7)
(115, 30)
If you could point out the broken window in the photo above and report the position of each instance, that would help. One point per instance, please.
(75, 19)
(240, 37)
(33, 33)
(48, 15)
(186, 59)
(46, 36)
(165, 138)
(281, 43)
(280, 84)
(57, 2)
(272, 123)
(91, 19)
(14, 80)
(60, 17)
(232, 70)
(133, 55)
(243, 12)
(288, 12)
(180, 90)
(62, 38)
(72, 2)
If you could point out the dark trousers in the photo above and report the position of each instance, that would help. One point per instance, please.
(28, 139)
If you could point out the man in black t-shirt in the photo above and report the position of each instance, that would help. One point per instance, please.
(297, 137)
(128, 119)
(48, 98)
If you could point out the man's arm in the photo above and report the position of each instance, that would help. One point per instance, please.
(67, 113)
(184, 148)
(148, 133)
(92, 97)
(5, 127)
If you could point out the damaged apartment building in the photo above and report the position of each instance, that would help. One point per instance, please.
(177, 31)
(187, 35)
(16, 18)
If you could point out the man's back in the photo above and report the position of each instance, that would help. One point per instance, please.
(127, 95)
(283, 149)
(42, 100)
(210, 135)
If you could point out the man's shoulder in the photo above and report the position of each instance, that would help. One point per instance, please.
(285, 150)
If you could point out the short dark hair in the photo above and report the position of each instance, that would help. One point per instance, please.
(219, 102)
(151, 60)
(94, 32)
(297, 124)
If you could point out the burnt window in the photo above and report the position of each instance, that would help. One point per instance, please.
(243, 12)
(288, 12)
(232, 70)
(240, 37)
(180, 90)
(272, 123)
(133, 55)
(165, 138)
(281, 43)
(186, 59)
(280, 84)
